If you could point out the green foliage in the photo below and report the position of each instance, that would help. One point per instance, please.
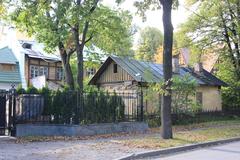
(146, 5)
(150, 40)
(20, 90)
(32, 90)
(99, 107)
(183, 93)
(231, 93)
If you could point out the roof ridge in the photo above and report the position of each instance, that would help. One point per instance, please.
(131, 58)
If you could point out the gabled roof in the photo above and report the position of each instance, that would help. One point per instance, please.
(7, 56)
(135, 68)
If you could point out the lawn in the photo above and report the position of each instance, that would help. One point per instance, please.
(190, 134)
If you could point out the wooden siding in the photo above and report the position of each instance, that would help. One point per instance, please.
(7, 67)
(108, 76)
(52, 73)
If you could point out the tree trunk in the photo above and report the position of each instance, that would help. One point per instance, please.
(79, 59)
(166, 127)
(66, 66)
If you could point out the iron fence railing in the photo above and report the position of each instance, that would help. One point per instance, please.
(75, 108)
(71, 107)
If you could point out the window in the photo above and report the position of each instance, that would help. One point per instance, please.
(43, 71)
(59, 74)
(199, 98)
(115, 68)
(7, 67)
(90, 72)
(38, 71)
(34, 71)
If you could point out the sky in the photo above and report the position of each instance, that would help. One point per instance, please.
(154, 18)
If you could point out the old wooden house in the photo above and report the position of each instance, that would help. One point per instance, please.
(123, 74)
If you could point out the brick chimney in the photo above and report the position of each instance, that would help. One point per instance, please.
(198, 67)
(175, 64)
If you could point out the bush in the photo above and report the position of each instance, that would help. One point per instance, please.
(231, 97)
(66, 107)
(20, 90)
(32, 90)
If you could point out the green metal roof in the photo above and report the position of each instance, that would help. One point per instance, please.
(7, 56)
(135, 67)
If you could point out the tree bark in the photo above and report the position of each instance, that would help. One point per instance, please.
(166, 127)
(66, 66)
(80, 45)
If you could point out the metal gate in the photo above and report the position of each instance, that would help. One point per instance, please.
(7, 112)
(3, 114)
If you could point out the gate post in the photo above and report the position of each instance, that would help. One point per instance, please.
(12, 98)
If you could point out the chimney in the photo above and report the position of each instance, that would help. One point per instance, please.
(198, 67)
(175, 64)
(27, 45)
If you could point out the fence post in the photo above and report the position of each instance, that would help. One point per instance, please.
(141, 103)
(13, 106)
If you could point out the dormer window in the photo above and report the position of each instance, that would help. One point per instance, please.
(27, 45)
(115, 68)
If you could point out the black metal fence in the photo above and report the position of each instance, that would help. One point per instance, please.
(71, 107)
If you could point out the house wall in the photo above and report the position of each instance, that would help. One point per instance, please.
(211, 99)
(109, 76)
(52, 66)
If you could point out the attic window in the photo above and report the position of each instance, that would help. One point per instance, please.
(27, 45)
(115, 68)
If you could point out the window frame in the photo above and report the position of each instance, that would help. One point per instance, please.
(34, 71)
(59, 70)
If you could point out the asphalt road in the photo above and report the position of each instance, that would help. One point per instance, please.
(229, 151)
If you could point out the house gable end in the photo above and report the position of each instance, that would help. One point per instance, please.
(106, 74)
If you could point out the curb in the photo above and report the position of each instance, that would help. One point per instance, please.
(174, 150)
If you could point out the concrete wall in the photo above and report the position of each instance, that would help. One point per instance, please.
(79, 130)
(212, 100)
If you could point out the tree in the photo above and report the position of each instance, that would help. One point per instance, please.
(100, 25)
(167, 6)
(167, 68)
(150, 40)
(47, 22)
(213, 25)
(71, 26)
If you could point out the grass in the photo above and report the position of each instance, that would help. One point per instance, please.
(211, 131)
